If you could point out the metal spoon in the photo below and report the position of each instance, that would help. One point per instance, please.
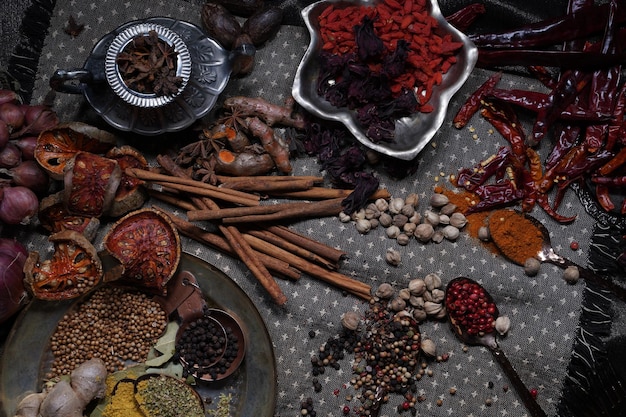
(548, 255)
(488, 339)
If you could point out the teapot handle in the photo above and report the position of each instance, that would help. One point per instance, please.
(70, 81)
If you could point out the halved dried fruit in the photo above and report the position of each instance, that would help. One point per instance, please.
(73, 270)
(147, 245)
(130, 194)
(55, 147)
(54, 217)
(90, 184)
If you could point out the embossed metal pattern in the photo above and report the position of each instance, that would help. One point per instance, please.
(210, 70)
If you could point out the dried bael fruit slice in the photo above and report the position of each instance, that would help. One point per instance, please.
(147, 245)
(90, 184)
(130, 194)
(55, 147)
(73, 270)
(54, 217)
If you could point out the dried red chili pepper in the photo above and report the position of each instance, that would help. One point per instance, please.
(505, 121)
(463, 18)
(473, 103)
(471, 178)
(586, 21)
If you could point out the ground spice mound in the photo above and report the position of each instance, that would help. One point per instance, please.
(517, 237)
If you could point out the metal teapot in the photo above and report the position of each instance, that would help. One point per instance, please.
(203, 65)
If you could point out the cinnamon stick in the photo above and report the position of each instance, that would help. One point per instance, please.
(268, 187)
(221, 213)
(295, 249)
(279, 267)
(191, 186)
(318, 193)
(323, 250)
(171, 199)
(235, 240)
(222, 179)
(337, 279)
(322, 208)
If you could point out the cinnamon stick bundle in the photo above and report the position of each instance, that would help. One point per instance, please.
(193, 187)
(235, 240)
(280, 268)
(337, 279)
(323, 250)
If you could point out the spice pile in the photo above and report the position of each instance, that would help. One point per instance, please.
(396, 54)
(581, 112)
(148, 65)
(402, 221)
(387, 346)
(113, 324)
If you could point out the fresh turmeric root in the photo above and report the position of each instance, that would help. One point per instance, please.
(271, 142)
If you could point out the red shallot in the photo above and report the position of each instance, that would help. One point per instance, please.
(28, 174)
(18, 205)
(12, 292)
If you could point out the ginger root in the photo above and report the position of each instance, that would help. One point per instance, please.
(68, 398)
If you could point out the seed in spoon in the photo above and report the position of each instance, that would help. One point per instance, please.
(470, 307)
(517, 237)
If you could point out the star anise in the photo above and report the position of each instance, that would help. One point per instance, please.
(148, 65)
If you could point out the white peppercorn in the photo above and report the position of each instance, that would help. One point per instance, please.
(532, 266)
(448, 209)
(393, 257)
(424, 232)
(407, 210)
(432, 281)
(484, 234)
(438, 200)
(571, 274)
(437, 237)
(385, 219)
(450, 232)
(395, 205)
(392, 231)
(432, 218)
(344, 217)
(363, 226)
(403, 239)
(382, 204)
(399, 220)
(417, 286)
(458, 220)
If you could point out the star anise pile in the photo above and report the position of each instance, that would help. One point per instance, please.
(148, 65)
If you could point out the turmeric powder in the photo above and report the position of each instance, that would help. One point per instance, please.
(122, 402)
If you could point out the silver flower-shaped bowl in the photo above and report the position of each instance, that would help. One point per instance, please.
(412, 133)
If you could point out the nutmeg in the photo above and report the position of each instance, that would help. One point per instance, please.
(220, 24)
(263, 24)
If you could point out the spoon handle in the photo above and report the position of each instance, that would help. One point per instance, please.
(528, 400)
(588, 275)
